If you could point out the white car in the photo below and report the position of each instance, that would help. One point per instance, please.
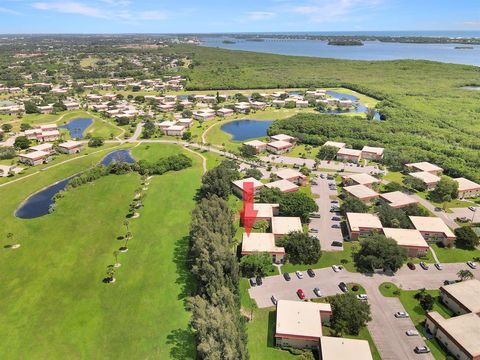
(299, 274)
(336, 268)
(362, 297)
(401, 315)
(412, 333)
(472, 264)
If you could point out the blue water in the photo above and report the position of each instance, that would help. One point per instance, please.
(247, 129)
(77, 127)
(38, 204)
(359, 108)
(119, 155)
(372, 50)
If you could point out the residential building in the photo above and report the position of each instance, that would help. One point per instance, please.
(48, 127)
(291, 175)
(204, 114)
(262, 242)
(257, 144)
(429, 179)
(337, 348)
(278, 103)
(242, 108)
(350, 155)
(52, 135)
(284, 225)
(362, 225)
(361, 192)
(258, 105)
(166, 107)
(266, 211)
(6, 170)
(467, 188)
(70, 147)
(398, 199)
(224, 112)
(284, 186)
(72, 105)
(433, 229)
(338, 145)
(409, 239)
(175, 130)
(164, 125)
(462, 297)
(31, 134)
(279, 147)
(361, 179)
(185, 122)
(238, 186)
(372, 153)
(301, 104)
(46, 147)
(425, 167)
(283, 137)
(47, 109)
(34, 158)
(299, 324)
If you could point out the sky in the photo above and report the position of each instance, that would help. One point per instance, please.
(210, 16)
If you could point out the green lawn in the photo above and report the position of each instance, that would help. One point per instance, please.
(454, 255)
(54, 281)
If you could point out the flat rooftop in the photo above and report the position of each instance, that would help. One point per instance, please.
(426, 177)
(260, 242)
(70, 144)
(465, 292)
(334, 348)
(255, 143)
(363, 179)
(465, 184)
(406, 237)
(359, 220)
(265, 210)
(360, 191)
(372, 149)
(283, 185)
(282, 137)
(398, 199)
(284, 225)
(256, 184)
(280, 144)
(41, 147)
(338, 145)
(289, 174)
(431, 224)
(349, 152)
(424, 166)
(299, 318)
(465, 329)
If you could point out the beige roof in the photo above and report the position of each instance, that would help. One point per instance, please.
(255, 143)
(35, 155)
(70, 144)
(48, 126)
(424, 166)
(363, 179)
(464, 329)
(280, 144)
(260, 242)
(42, 147)
(283, 185)
(398, 199)
(265, 210)
(289, 174)
(349, 152)
(467, 293)
(175, 128)
(406, 237)
(358, 220)
(334, 348)
(360, 191)
(256, 184)
(375, 150)
(426, 177)
(431, 224)
(299, 318)
(282, 137)
(465, 184)
(336, 144)
(285, 225)
(50, 133)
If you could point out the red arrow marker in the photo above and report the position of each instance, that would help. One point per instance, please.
(248, 215)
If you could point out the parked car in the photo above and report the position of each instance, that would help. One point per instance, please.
(312, 230)
(472, 264)
(301, 294)
(412, 333)
(411, 266)
(423, 265)
(334, 202)
(437, 209)
(472, 208)
(299, 274)
(334, 209)
(401, 315)
(421, 350)
(439, 266)
(449, 282)
(259, 280)
(315, 215)
(313, 182)
(311, 273)
(343, 287)
(330, 177)
(337, 243)
(322, 176)
(362, 297)
(286, 276)
(336, 226)
(274, 300)
(317, 292)
(253, 282)
(336, 268)
(336, 218)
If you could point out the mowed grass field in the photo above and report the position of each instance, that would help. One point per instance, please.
(54, 303)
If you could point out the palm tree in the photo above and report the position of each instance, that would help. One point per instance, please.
(110, 274)
(10, 240)
(126, 223)
(115, 255)
(465, 275)
(128, 236)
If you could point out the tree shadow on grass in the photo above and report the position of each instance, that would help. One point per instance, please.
(182, 262)
(182, 344)
(271, 329)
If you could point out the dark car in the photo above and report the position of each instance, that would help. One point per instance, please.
(336, 218)
(253, 282)
(259, 280)
(336, 226)
(343, 287)
(286, 276)
(311, 273)
(424, 266)
(337, 243)
(449, 282)
(411, 266)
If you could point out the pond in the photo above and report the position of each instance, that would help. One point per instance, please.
(77, 127)
(117, 156)
(359, 108)
(39, 203)
(246, 129)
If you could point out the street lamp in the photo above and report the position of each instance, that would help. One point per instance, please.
(473, 213)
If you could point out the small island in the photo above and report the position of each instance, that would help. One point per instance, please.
(463, 47)
(349, 42)
(229, 42)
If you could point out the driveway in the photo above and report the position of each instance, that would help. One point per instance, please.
(387, 331)
(326, 234)
(473, 216)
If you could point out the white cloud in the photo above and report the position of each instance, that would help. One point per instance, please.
(327, 11)
(4, 10)
(260, 15)
(70, 8)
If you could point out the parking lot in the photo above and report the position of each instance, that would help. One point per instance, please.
(324, 226)
(467, 213)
